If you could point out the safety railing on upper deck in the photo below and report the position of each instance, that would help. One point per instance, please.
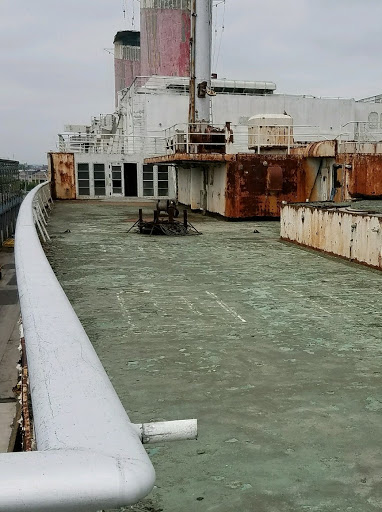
(202, 137)
(362, 131)
(111, 144)
(89, 455)
(231, 139)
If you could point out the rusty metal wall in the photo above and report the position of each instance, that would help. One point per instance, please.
(363, 175)
(352, 235)
(62, 175)
(257, 184)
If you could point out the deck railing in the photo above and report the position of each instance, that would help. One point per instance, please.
(199, 137)
(362, 131)
(89, 455)
(111, 144)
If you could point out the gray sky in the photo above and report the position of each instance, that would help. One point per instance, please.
(54, 69)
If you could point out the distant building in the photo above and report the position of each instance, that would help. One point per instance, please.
(10, 197)
(33, 176)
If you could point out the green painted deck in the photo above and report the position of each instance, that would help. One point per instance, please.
(275, 349)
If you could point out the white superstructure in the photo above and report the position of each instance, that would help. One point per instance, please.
(155, 109)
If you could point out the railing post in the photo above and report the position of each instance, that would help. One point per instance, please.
(37, 222)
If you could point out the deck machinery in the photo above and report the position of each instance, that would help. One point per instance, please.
(164, 221)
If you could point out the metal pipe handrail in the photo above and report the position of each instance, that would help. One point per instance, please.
(89, 456)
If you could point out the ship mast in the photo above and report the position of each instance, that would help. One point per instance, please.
(200, 73)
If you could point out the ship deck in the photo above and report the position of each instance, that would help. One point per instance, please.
(274, 348)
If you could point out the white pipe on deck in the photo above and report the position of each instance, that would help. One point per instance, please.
(162, 431)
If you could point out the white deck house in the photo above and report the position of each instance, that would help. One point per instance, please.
(151, 119)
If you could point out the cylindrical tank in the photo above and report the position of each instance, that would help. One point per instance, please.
(270, 130)
(165, 37)
(127, 59)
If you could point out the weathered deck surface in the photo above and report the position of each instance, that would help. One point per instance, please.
(276, 350)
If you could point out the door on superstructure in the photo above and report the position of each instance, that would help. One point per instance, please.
(116, 179)
(162, 180)
(131, 179)
(99, 180)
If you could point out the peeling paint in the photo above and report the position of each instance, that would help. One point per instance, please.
(257, 184)
(61, 169)
(356, 236)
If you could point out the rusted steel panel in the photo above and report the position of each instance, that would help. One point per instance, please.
(62, 175)
(352, 235)
(257, 184)
(363, 175)
(190, 157)
(275, 178)
(212, 140)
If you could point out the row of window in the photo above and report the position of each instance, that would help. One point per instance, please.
(130, 178)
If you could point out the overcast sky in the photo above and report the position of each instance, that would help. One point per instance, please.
(54, 69)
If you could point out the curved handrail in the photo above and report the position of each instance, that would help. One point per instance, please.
(89, 453)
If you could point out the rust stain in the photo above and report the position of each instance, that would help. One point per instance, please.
(62, 175)
(27, 425)
(189, 157)
(257, 184)
(275, 178)
(211, 141)
(363, 175)
(320, 149)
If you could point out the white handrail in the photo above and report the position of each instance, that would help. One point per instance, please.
(89, 456)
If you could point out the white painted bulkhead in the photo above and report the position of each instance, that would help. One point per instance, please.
(216, 188)
(111, 163)
(152, 105)
(151, 110)
(203, 188)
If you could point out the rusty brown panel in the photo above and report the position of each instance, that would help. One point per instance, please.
(190, 157)
(211, 141)
(249, 191)
(275, 178)
(63, 175)
(364, 179)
